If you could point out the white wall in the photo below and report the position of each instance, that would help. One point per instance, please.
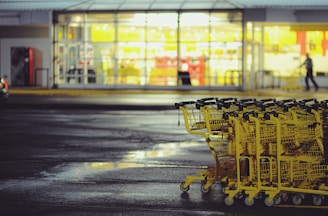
(42, 56)
(285, 15)
(12, 18)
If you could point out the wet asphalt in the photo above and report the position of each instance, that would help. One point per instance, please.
(113, 162)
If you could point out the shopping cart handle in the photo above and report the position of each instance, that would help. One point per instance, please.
(248, 100)
(226, 115)
(267, 100)
(269, 113)
(201, 103)
(225, 102)
(241, 106)
(316, 106)
(207, 99)
(178, 105)
(246, 104)
(324, 104)
(230, 99)
(282, 102)
(285, 107)
(226, 105)
(311, 107)
(306, 101)
(264, 106)
(309, 100)
(247, 114)
(314, 125)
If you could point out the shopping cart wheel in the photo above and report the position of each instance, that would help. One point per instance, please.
(277, 199)
(228, 202)
(239, 195)
(184, 189)
(297, 199)
(268, 202)
(248, 202)
(202, 188)
(317, 200)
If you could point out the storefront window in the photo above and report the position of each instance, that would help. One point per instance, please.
(131, 27)
(147, 48)
(162, 63)
(275, 51)
(162, 49)
(193, 49)
(70, 27)
(100, 63)
(75, 31)
(100, 18)
(60, 32)
(131, 58)
(253, 60)
(281, 51)
(162, 27)
(225, 49)
(101, 32)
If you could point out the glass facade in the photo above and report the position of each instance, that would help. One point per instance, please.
(149, 48)
(275, 51)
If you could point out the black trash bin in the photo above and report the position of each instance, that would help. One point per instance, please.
(184, 78)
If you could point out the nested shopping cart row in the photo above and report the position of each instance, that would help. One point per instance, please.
(264, 148)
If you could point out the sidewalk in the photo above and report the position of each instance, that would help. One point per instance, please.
(268, 92)
(135, 99)
(89, 92)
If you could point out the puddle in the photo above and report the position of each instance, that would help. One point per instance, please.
(133, 159)
(160, 150)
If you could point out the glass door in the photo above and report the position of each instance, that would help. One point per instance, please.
(253, 56)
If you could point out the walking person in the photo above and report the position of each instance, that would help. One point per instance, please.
(309, 73)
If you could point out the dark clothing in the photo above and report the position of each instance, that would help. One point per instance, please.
(308, 63)
(309, 74)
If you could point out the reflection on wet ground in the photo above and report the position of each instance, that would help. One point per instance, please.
(133, 159)
(161, 150)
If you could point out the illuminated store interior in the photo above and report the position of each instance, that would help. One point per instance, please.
(149, 49)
